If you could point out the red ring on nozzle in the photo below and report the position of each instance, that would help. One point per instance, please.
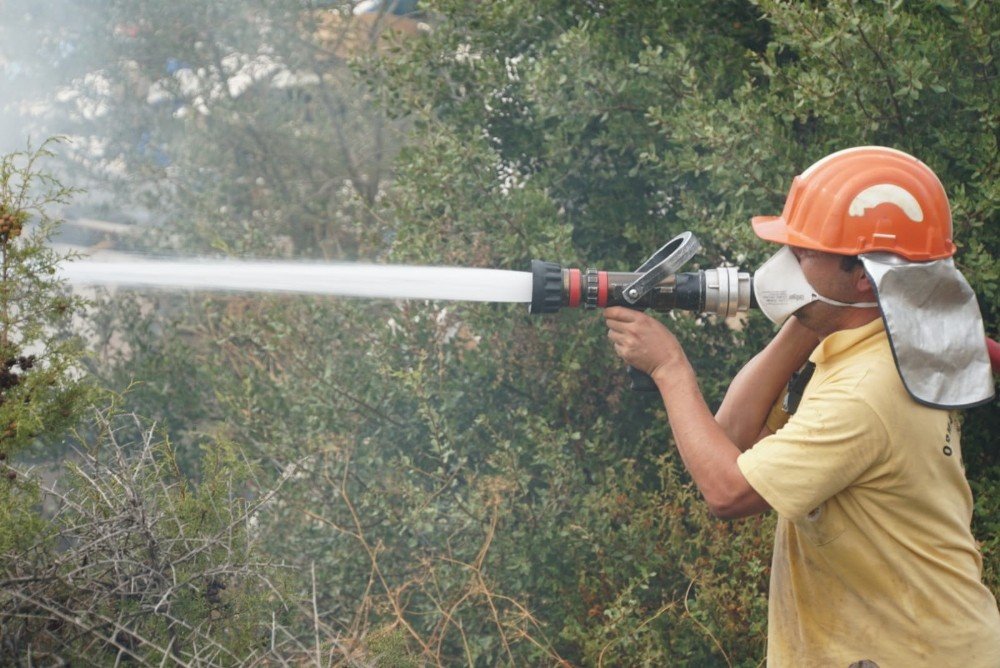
(993, 348)
(575, 289)
(602, 289)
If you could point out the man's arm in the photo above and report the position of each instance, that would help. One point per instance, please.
(758, 385)
(708, 451)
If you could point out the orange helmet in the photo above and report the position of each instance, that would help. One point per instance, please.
(862, 200)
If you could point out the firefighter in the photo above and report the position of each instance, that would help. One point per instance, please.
(846, 423)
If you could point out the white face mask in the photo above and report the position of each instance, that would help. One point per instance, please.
(781, 288)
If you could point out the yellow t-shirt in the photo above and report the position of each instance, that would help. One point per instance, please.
(873, 556)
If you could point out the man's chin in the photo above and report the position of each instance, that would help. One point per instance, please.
(810, 317)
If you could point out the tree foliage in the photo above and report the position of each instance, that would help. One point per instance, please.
(40, 387)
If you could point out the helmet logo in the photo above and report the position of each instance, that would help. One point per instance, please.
(886, 193)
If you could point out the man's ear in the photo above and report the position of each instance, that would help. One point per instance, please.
(862, 283)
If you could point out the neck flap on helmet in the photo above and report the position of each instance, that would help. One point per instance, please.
(935, 330)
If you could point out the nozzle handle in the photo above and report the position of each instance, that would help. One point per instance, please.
(640, 381)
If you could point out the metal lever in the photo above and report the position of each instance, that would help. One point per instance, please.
(661, 264)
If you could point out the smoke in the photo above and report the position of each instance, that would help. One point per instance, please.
(49, 87)
(232, 122)
(45, 89)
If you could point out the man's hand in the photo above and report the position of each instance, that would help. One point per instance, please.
(641, 340)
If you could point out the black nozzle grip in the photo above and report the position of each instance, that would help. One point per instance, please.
(639, 381)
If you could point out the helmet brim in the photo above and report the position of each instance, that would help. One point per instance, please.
(775, 229)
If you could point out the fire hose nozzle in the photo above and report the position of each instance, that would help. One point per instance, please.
(656, 284)
(721, 291)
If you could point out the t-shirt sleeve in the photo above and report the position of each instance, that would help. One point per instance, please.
(828, 444)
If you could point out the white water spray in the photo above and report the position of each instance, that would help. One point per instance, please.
(343, 279)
